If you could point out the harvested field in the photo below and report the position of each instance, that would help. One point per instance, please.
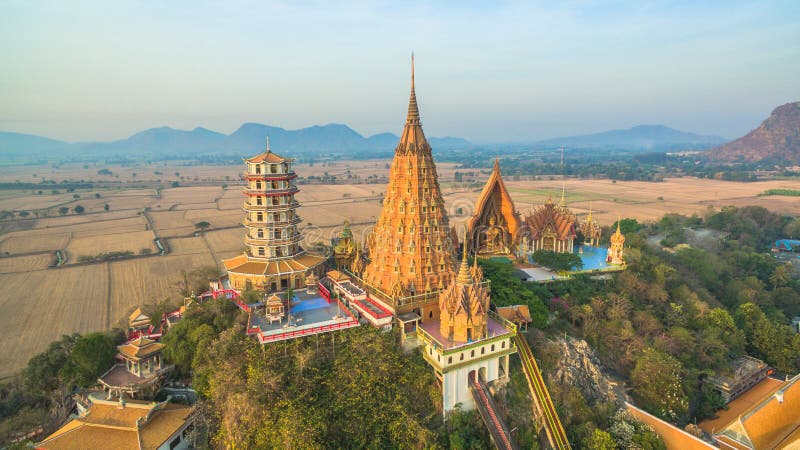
(94, 245)
(217, 219)
(72, 219)
(187, 246)
(226, 243)
(171, 223)
(190, 195)
(26, 243)
(146, 280)
(25, 201)
(39, 306)
(17, 264)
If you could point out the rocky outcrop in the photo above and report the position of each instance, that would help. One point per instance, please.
(579, 367)
(777, 140)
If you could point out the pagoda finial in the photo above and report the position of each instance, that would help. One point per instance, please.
(413, 110)
(563, 201)
(463, 272)
(619, 219)
(268, 144)
(497, 165)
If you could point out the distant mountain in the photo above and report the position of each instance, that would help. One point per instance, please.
(15, 144)
(249, 138)
(777, 139)
(642, 137)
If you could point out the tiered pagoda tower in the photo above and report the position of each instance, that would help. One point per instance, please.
(410, 248)
(274, 259)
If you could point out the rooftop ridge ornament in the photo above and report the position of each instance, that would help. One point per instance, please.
(267, 146)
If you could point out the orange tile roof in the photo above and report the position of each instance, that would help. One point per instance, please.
(740, 404)
(235, 261)
(773, 422)
(110, 425)
(549, 216)
(251, 268)
(138, 316)
(674, 438)
(269, 157)
(140, 348)
(516, 313)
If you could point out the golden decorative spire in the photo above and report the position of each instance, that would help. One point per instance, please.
(267, 144)
(589, 218)
(563, 201)
(413, 110)
(463, 272)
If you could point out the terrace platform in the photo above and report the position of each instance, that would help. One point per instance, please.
(495, 329)
(307, 314)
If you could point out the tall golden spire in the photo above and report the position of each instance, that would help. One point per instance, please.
(463, 272)
(563, 201)
(413, 110)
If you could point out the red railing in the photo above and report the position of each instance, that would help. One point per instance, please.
(383, 314)
(497, 429)
(324, 292)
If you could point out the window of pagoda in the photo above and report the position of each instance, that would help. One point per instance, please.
(260, 232)
(260, 217)
(258, 185)
(258, 169)
(259, 201)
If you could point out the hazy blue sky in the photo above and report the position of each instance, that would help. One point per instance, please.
(486, 70)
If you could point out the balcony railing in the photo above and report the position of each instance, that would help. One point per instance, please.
(272, 223)
(267, 241)
(270, 192)
(270, 176)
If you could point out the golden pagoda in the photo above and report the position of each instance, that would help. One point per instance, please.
(590, 230)
(410, 250)
(615, 250)
(463, 305)
(492, 229)
(274, 259)
(345, 249)
(550, 227)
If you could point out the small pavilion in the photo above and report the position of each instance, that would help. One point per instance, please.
(141, 372)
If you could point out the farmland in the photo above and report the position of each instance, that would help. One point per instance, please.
(42, 303)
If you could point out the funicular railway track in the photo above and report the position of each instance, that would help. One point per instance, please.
(497, 429)
(556, 436)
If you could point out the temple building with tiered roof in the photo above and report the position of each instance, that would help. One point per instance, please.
(550, 227)
(274, 259)
(410, 248)
(493, 228)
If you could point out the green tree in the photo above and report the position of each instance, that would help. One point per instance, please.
(202, 226)
(599, 440)
(781, 276)
(79, 209)
(656, 381)
(91, 355)
(63, 210)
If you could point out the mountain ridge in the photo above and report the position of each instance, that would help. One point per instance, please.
(642, 137)
(776, 139)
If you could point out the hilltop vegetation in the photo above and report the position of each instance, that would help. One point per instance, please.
(675, 318)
